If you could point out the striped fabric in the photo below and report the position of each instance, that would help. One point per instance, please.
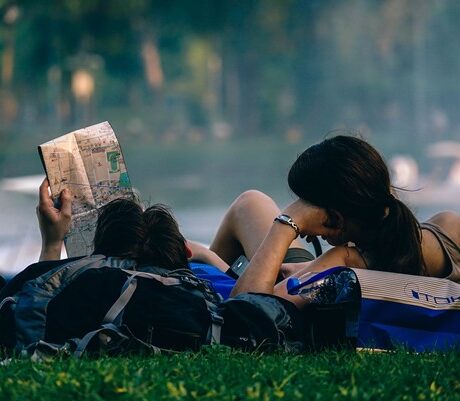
(421, 313)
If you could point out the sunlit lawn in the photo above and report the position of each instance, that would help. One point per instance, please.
(220, 374)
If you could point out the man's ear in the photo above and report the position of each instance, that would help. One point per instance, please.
(188, 251)
(335, 219)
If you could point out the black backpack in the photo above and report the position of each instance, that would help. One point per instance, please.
(261, 322)
(100, 303)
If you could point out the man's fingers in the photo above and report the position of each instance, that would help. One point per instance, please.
(66, 203)
(43, 191)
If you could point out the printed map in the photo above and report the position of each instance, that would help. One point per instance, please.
(90, 163)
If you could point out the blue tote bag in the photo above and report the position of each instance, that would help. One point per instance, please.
(420, 313)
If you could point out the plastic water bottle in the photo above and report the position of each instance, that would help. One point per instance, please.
(313, 286)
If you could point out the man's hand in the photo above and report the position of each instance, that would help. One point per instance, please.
(200, 253)
(54, 223)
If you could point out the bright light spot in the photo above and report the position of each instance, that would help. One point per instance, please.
(82, 85)
(404, 172)
(454, 174)
(11, 15)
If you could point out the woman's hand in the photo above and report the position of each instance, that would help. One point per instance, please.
(54, 223)
(312, 220)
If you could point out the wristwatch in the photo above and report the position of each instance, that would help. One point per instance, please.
(287, 220)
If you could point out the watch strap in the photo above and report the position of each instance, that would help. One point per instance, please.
(287, 220)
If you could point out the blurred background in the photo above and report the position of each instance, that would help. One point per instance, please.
(212, 97)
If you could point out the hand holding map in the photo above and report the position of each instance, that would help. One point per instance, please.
(90, 163)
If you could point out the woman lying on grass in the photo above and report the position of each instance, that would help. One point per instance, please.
(345, 196)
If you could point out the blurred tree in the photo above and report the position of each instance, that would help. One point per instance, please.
(178, 68)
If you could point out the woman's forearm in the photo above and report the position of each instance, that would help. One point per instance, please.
(299, 218)
(262, 271)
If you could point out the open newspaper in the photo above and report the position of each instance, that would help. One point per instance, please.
(90, 163)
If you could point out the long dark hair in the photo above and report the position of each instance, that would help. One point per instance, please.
(152, 236)
(346, 174)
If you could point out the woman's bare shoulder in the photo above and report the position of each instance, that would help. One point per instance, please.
(436, 261)
(449, 222)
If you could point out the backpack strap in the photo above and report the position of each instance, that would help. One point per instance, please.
(110, 330)
(83, 343)
(166, 280)
(6, 301)
(217, 321)
(115, 313)
(69, 271)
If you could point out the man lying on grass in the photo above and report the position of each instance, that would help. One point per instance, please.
(142, 240)
(151, 236)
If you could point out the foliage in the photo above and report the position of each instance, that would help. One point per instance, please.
(289, 69)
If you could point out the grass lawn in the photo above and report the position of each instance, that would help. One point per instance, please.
(221, 374)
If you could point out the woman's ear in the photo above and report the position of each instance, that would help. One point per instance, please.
(188, 251)
(335, 219)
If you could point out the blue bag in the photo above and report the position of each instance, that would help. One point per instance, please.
(222, 283)
(420, 313)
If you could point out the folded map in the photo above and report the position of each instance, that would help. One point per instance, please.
(90, 163)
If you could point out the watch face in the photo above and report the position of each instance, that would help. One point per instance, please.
(284, 219)
(281, 218)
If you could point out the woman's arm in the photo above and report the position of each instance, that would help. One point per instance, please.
(200, 253)
(263, 269)
(54, 223)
